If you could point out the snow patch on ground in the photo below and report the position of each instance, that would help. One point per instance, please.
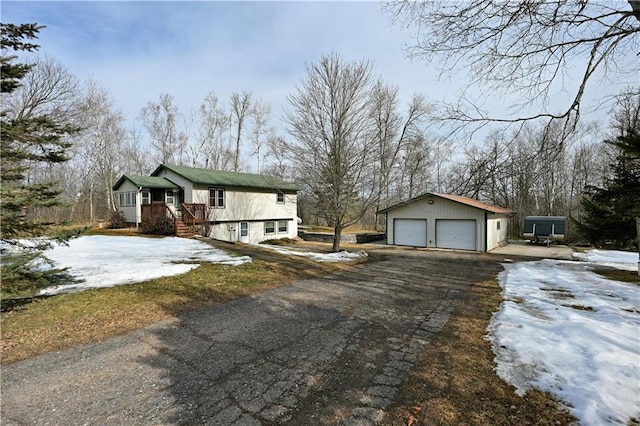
(105, 261)
(625, 260)
(565, 329)
(341, 256)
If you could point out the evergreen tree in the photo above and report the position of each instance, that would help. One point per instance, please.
(609, 213)
(25, 141)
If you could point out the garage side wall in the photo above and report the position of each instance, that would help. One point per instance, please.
(432, 209)
(496, 231)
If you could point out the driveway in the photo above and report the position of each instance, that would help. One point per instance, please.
(527, 249)
(323, 351)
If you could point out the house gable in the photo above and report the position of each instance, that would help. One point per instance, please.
(152, 182)
(456, 198)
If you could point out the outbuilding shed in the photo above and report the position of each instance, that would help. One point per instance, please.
(447, 221)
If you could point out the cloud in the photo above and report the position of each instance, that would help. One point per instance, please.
(142, 49)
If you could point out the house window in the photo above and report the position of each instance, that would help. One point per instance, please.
(146, 199)
(216, 198)
(270, 227)
(282, 226)
(169, 197)
(244, 229)
(498, 226)
(280, 198)
(127, 199)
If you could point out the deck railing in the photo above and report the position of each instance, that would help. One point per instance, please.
(193, 214)
(149, 211)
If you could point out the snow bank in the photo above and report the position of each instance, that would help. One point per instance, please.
(616, 259)
(564, 329)
(106, 261)
(341, 256)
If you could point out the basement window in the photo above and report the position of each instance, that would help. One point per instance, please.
(270, 227)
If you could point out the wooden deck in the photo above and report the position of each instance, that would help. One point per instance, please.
(193, 214)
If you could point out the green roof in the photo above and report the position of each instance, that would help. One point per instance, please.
(147, 182)
(223, 178)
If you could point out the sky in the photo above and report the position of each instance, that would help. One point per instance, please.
(142, 49)
(139, 50)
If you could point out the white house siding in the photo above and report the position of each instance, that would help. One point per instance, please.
(181, 182)
(249, 205)
(131, 213)
(230, 231)
(439, 209)
(496, 237)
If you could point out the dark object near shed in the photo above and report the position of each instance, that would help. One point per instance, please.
(544, 228)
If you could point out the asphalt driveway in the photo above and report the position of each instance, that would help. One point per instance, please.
(332, 350)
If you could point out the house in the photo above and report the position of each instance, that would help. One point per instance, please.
(223, 205)
(446, 221)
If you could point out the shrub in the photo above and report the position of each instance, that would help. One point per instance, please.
(159, 225)
(116, 220)
(279, 241)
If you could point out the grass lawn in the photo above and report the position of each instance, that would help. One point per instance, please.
(67, 320)
(619, 275)
(454, 382)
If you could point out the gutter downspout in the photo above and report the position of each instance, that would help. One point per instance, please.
(139, 206)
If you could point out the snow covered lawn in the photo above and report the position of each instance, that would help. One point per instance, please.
(341, 256)
(565, 329)
(106, 261)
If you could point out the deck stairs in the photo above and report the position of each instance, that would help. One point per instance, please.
(182, 230)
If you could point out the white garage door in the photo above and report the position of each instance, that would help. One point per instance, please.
(410, 232)
(456, 234)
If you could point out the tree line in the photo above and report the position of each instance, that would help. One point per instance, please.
(352, 144)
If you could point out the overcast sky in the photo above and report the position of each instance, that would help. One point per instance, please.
(139, 50)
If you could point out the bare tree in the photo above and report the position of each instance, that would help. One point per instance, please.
(261, 114)
(392, 132)
(278, 164)
(49, 89)
(134, 159)
(626, 114)
(240, 111)
(415, 166)
(527, 48)
(330, 121)
(214, 123)
(160, 120)
(100, 148)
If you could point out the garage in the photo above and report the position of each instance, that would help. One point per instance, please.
(410, 232)
(434, 220)
(456, 234)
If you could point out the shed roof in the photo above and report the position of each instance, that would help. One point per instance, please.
(224, 178)
(146, 182)
(457, 198)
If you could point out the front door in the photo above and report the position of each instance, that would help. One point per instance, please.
(244, 232)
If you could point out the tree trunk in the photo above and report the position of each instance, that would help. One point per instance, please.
(337, 234)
